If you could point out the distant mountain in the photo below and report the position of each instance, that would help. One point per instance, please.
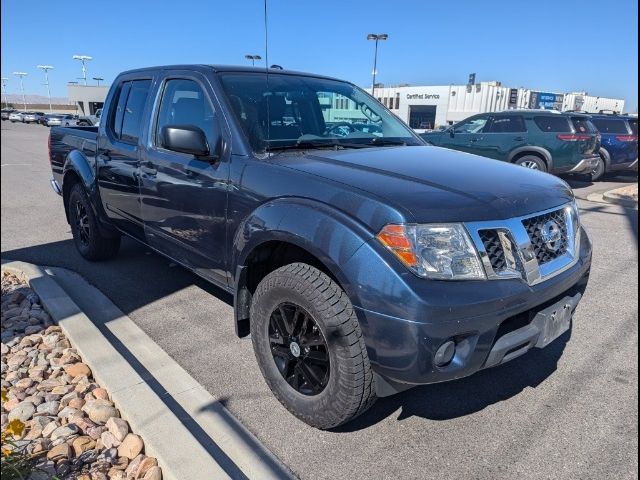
(39, 99)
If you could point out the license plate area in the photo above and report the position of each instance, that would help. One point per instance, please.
(555, 320)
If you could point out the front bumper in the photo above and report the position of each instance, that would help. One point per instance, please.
(56, 186)
(586, 165)
(484, 318)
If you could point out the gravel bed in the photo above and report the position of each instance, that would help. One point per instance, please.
(70, 420)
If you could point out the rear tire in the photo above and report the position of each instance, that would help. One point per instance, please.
(89, 241)
(600, 169)
(294, 311)
(532, 162)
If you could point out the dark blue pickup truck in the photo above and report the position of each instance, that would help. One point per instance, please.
(361, 261)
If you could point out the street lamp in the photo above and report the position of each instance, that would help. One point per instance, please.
(22, 75)
(377, 37)
(84, 59)
(46, 69)
(4, 91)
(98, 80)
(253, 59)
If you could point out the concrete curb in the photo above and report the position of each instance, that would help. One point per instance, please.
(183, 426)
(601, 198)
(612, 197)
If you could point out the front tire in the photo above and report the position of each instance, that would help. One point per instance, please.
(89, 241)
(309, 346)
(532, 162)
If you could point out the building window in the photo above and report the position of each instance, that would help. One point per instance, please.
(397, 101)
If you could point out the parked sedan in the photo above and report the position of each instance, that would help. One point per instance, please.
(61, 121)
(16, 116)
(32, 117)
(6, 112)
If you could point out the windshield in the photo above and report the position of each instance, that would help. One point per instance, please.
(298, 112)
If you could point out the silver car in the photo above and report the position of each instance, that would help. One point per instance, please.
(32, 117)
(16, 117)
(62, 120)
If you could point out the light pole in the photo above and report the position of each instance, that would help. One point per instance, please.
(22, 75)
(98, 80)
(377, 37)
(253, 59)
(4, 91)
(84, 59)
(46, 69)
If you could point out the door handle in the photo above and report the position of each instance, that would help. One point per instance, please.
(475, 139)
(105, 155)
(519, 139)
(148, 168)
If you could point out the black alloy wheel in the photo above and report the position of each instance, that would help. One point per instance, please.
(299, 349)
(91, 242)
(82, 223)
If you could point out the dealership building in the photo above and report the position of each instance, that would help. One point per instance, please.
(88, 98)
(423, 107)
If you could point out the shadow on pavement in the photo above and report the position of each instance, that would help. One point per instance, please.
(458, 398)
(136, 277)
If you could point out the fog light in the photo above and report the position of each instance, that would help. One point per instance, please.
(445, 354)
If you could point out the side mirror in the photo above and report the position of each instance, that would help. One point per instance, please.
(184, 139)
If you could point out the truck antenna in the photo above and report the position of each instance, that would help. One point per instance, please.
(266, 67)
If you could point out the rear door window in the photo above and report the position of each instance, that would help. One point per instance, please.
(116, 118)
(132, 117)
(606, 125)
(507, 124)
(634, 127)
(555, 124)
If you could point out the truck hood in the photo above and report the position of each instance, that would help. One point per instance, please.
(432, 184)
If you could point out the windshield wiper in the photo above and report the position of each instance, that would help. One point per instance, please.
(387, 142)
(309, 144)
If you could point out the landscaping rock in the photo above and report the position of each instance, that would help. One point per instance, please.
(71, 428)
(118, 427)
(154, 473)
(100, 411)
(77, 369)
(82, 444)
(23, 411)
(59, 452)
(145, 466)
(131, 446)
(64, 431)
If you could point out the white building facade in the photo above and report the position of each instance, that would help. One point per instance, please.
(425, 107)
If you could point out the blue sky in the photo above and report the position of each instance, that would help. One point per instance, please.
(562, 45)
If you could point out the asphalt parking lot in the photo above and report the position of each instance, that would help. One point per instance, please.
(569, 411)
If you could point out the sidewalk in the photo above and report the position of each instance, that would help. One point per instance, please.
(184, 427)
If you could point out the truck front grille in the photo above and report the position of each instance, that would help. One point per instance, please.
(495, 252)
(533, 247)
(540, 228)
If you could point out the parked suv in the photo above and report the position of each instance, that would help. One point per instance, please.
(541, 140)
(619, 150)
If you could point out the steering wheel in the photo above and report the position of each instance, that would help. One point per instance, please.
(340, 125)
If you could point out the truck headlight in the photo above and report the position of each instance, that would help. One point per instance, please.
(439, 251)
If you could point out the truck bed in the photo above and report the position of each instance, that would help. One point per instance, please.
(63, 140)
